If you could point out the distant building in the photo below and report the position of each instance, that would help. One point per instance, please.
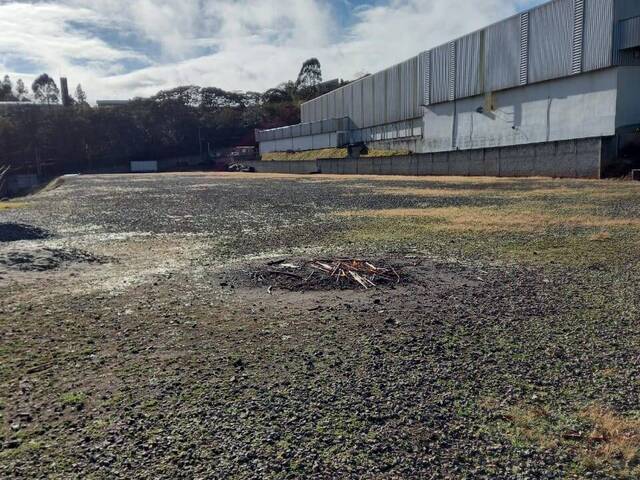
(551, 91)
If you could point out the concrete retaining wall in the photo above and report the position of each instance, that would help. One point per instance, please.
(17, 184)
(570, 159)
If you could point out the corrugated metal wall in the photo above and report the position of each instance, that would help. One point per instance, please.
(598, 36)
(502, 55)
(409, 99)
(440, 74)
(393, 94)
(304, 112)
(340, 103)
(380, 97)
(356, 113)
(629, 33)
(367, 102)
(551, 41)
(468, 66)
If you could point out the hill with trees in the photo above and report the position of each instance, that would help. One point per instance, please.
(174, 122)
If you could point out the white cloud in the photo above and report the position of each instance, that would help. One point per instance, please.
(233, 44)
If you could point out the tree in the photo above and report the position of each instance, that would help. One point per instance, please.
(81, 97)
(188, 95)
(6, 90)
(309, 78)
(276, 95)
(45, 90)
(21, 91)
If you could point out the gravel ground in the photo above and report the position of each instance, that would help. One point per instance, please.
(143, 333)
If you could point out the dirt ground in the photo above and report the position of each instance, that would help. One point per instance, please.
(172, 326)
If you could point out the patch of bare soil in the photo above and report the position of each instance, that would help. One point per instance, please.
(43, 259)
(16, 232)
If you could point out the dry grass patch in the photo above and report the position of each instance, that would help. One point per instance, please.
(613, 440)
(606, 440)
(600, 237)
(561, 191)
(324, 153)
(431, 192)
(494, 219)
(11, 205)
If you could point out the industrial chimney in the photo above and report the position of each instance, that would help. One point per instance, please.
(64, 90)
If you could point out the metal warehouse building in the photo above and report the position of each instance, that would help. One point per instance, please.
(552, 91)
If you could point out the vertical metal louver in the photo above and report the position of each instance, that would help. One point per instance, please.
(452, 71)
(578, 37)
(426, 59)
(524, 48)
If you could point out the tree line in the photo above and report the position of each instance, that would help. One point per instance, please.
(182, 121)
(44, 90)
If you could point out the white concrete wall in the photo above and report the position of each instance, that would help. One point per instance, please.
(577, 107)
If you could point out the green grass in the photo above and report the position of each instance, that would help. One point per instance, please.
(73, 399)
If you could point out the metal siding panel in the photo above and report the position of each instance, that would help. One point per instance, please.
(625, 9)
(367, 102)
(452, 71)
(629, 33)
(340, 103)
(324, 102)
(311, 111)
(346, 99)
(426, 72)
(393, 94)
(380, 97)
(578, 37)
(331, 113)
(304, 112)
(551, 41)
(502, 55)
(404, 90)
(357, 104)
(524, 48)
(440, 74)
(417, 85)
(408, 88)
(313, 108)
(468, 66)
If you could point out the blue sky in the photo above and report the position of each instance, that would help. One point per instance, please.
(126, 48)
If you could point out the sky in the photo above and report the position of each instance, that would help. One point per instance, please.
(120, 49)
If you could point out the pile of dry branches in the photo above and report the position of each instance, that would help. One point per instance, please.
(359, 271)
